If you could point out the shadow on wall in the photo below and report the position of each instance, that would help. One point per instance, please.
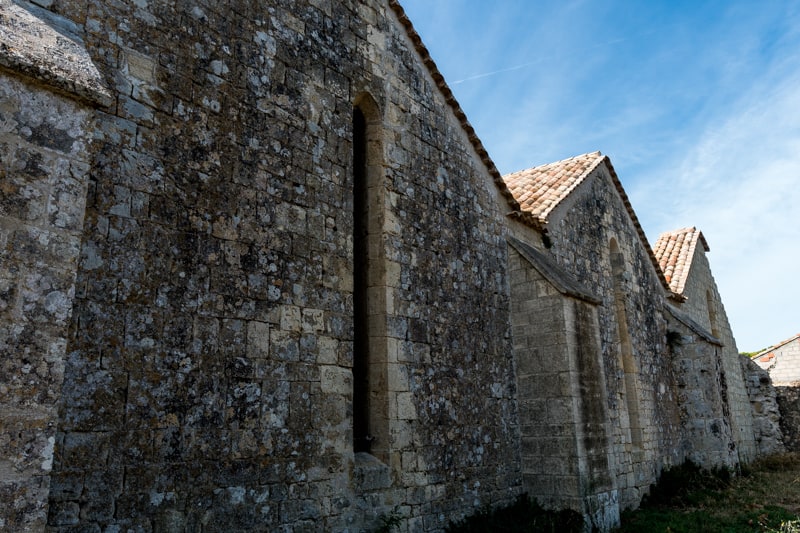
(788, 398)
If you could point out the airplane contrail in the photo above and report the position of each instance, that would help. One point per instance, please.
(529, 63)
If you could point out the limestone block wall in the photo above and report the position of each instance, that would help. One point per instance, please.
(547, 416)
(702, 397)
(765, 404)
(704, 304)
(43, 181)
(47, 89)
(641, 400)
(209, 381)
(783, 364)
(565, 453)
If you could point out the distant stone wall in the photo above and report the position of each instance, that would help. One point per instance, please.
(783, 364)
(788, 399)
(767, 408)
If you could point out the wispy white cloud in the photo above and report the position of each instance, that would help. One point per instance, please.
(739, 182)
(697, 104)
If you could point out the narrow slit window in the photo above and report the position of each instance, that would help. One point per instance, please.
(361, 361)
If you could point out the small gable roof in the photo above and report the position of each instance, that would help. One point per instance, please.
(539, 190)
(765, 354)
(674, 251)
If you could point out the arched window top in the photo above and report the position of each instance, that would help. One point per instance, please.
(365, 103)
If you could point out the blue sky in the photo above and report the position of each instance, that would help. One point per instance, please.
(697, 103)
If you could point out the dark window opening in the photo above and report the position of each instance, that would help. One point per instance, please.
(361, 385)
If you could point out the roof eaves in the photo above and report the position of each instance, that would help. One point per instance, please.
(447, 93)
(43, 46)
(687, 321)
(561, 280)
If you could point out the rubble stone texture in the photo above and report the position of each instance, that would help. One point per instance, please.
(178, 276)
(44, 167)
(704, 303)
(43, 180)
(788, 399)
(773, 412)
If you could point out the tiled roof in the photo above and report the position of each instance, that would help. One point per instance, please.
(674, 251)
(765, 358)
(539, 190)
(765, 354)
(441, 84)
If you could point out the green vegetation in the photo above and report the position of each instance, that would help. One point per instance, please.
(751, 354)
(765, 497)
(521, 516)
(388, 522)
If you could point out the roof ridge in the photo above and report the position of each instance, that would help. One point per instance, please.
(554, 163)
(776, 346)
(687, 229)
(540, 189)
(674, 251)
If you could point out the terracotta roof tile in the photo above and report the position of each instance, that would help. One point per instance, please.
(674, 251)
(539, 190)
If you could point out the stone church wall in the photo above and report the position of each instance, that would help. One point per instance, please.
(641, 399)
(182, 300)
(48, 87)
(208, 384)
(704, 304)
(702, 390)
(768, 420)
(561, 390)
